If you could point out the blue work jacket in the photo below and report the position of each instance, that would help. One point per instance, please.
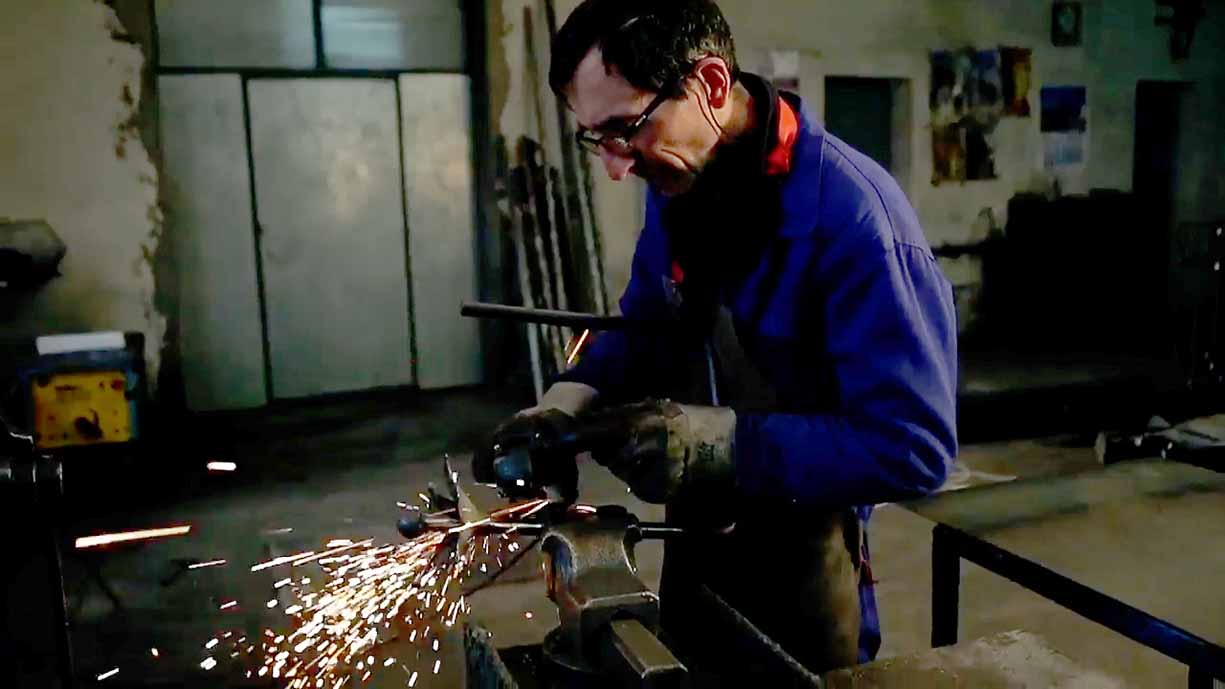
(846, 314)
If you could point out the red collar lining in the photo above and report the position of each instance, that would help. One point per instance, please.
(778, 162)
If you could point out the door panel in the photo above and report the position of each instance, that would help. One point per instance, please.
(208, 194)
(442, 237)
(331, 223)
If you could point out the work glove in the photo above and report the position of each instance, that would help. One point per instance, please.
(568, 398)
(521, 453)
(673, 451)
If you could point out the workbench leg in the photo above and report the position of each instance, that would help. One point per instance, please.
(1198, 679)
(946, 584)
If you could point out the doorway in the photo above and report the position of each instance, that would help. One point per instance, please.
(1154, 181)
(859, 111)
(1154, 170)
(873, 116)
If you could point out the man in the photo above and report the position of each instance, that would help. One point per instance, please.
(810, 333)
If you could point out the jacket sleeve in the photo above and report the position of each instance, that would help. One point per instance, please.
(621, 364)
(891, 333)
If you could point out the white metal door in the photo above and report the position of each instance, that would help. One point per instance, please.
(438, 188)
(332, 239)
(208, 194)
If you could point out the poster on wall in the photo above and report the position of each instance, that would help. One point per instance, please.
(1016, 67)
(966, 104)
(1065, 126)
(1066, 20)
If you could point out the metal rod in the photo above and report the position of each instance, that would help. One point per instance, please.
(1197, 679)
(1207, 658)
(648, 530)
(522, 314)
(659, 531)
(946, 583)
(754, 643)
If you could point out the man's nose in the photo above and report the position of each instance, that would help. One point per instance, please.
(617, 166)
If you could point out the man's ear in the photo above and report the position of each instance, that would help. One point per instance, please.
(716, 78)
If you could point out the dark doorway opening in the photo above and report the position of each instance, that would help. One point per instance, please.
(860, 112)
(1154, 182)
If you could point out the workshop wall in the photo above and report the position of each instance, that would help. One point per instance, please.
(1121, 45)
(72, 154)
(893, 39)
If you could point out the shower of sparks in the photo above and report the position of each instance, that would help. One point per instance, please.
(276, 562)
(210, 563)
(221, 466)
(370, 595)
(108, 674)
(228, 604)
(470, 525)
(578, 346)
(125, 536)
(154, 652)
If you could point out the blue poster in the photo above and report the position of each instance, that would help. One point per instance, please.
(1064, 124)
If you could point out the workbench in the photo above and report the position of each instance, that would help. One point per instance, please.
(1041, 533)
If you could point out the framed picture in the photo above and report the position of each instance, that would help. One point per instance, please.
(1066, 21)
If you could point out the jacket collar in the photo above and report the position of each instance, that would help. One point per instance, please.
(792, 149)
(794, 155)
(801, 189)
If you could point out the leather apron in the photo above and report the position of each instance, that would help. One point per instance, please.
(793, 574)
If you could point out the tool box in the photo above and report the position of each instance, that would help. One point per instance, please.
(84, 390)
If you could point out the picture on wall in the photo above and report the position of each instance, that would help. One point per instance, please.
(1016, 69)
(1066, 20)
(1065, 125)
(966, 104)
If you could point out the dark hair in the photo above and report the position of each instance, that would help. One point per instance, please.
(652, 43)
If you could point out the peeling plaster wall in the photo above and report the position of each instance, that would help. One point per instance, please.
(71, 154)
(893, 38)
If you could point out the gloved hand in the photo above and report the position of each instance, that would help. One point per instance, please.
(526, 438)
(569, 398)
(673, 450)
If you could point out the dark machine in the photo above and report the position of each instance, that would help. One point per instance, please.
(35, 645)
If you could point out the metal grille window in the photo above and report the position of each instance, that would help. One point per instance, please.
(236, 33)
(393, 34)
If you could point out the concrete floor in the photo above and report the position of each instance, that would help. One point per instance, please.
(328, 472)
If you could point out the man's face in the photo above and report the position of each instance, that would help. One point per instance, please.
(672, 146)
